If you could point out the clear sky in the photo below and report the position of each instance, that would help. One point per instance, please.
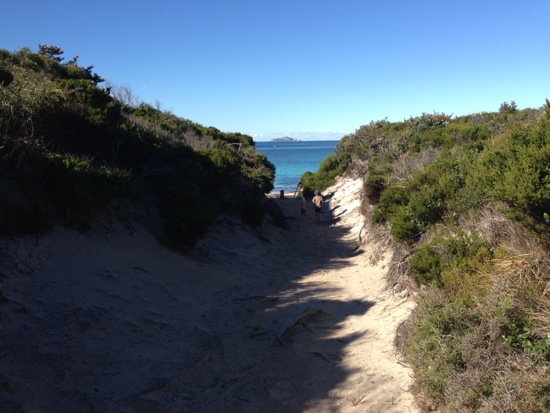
(300, 68)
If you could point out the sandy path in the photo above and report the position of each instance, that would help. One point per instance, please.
(112, 322)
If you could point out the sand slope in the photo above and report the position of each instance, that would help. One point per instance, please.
(295, 320)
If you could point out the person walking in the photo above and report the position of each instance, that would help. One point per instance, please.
(299, 192)
(318, 204)
(303, 207)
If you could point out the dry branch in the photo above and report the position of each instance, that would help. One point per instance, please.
(296, 321)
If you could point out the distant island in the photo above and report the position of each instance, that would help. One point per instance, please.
(285, 139)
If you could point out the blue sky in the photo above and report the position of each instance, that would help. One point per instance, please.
(302, 68)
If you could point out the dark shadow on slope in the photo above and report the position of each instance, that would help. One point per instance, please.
(272, 345)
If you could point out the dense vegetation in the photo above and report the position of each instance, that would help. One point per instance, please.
(467, 201)
(69, 147)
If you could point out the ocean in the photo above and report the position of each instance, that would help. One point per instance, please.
(292, 159)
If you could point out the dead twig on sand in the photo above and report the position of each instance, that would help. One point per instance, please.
(358, 400)
(331, 358)
(155, 388)
(296, 321)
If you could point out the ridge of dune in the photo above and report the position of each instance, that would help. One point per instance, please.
(273, 320)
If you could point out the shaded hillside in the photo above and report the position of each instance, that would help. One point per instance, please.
(467, 202)
(69, 147)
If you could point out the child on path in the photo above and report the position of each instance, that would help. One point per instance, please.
(303, 207)
(317, 204)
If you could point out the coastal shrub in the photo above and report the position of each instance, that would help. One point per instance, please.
(390, 200)
(223, 159)
(426, 266)
(466, 133)
(332, 166)
(506, 107)
(186, 213)
(515, 169)
(467, 258)
(524, 313)
(458, 351)
(6, 77)
(164, 124)
(25, 101)
(365, 143)
(70, 146)
(373, 185)
(410, 212)
(434, 349)
(453, 261)
(434, 138)
(79, 188)
(235, 139)
(403, 227)
(422, 199)
(257, 171)
(61, 185)
(427, 121)
(95, 104)
(377, 217)
(313, 181)
(452, 134)
(426, 206)
(132, 147)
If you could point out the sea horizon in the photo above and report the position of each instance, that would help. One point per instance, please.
(293, 158)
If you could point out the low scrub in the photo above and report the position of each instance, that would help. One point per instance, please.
(469, 200)
(71, 146)
(332, 166)
(471, 351)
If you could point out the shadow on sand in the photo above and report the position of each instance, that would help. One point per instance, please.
(271, 337)
(288, 334)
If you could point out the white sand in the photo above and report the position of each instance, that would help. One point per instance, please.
(110, 321)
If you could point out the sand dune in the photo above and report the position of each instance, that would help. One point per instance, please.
(274, 320)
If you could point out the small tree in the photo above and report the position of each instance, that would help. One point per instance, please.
(53, 52)
(506, 107)
(125, 95)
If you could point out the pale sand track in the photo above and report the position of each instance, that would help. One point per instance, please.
(110, 321)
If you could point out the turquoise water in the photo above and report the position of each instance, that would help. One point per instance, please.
(292, 159)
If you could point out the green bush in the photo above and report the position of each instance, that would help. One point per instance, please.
(6, 77)
(316, 181)
(451, 261)
(422, 200)
(433, 350)
(332, 166)
(403, 227)
(186, 211)
(391, 199)
(373, 186)
(466, 133)
(427, 206)
(258, 172)
(224, 159)
(426, 266)
(96, 105)
(23, 102)
(515, 169)
(411, 211)
(79, 188)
